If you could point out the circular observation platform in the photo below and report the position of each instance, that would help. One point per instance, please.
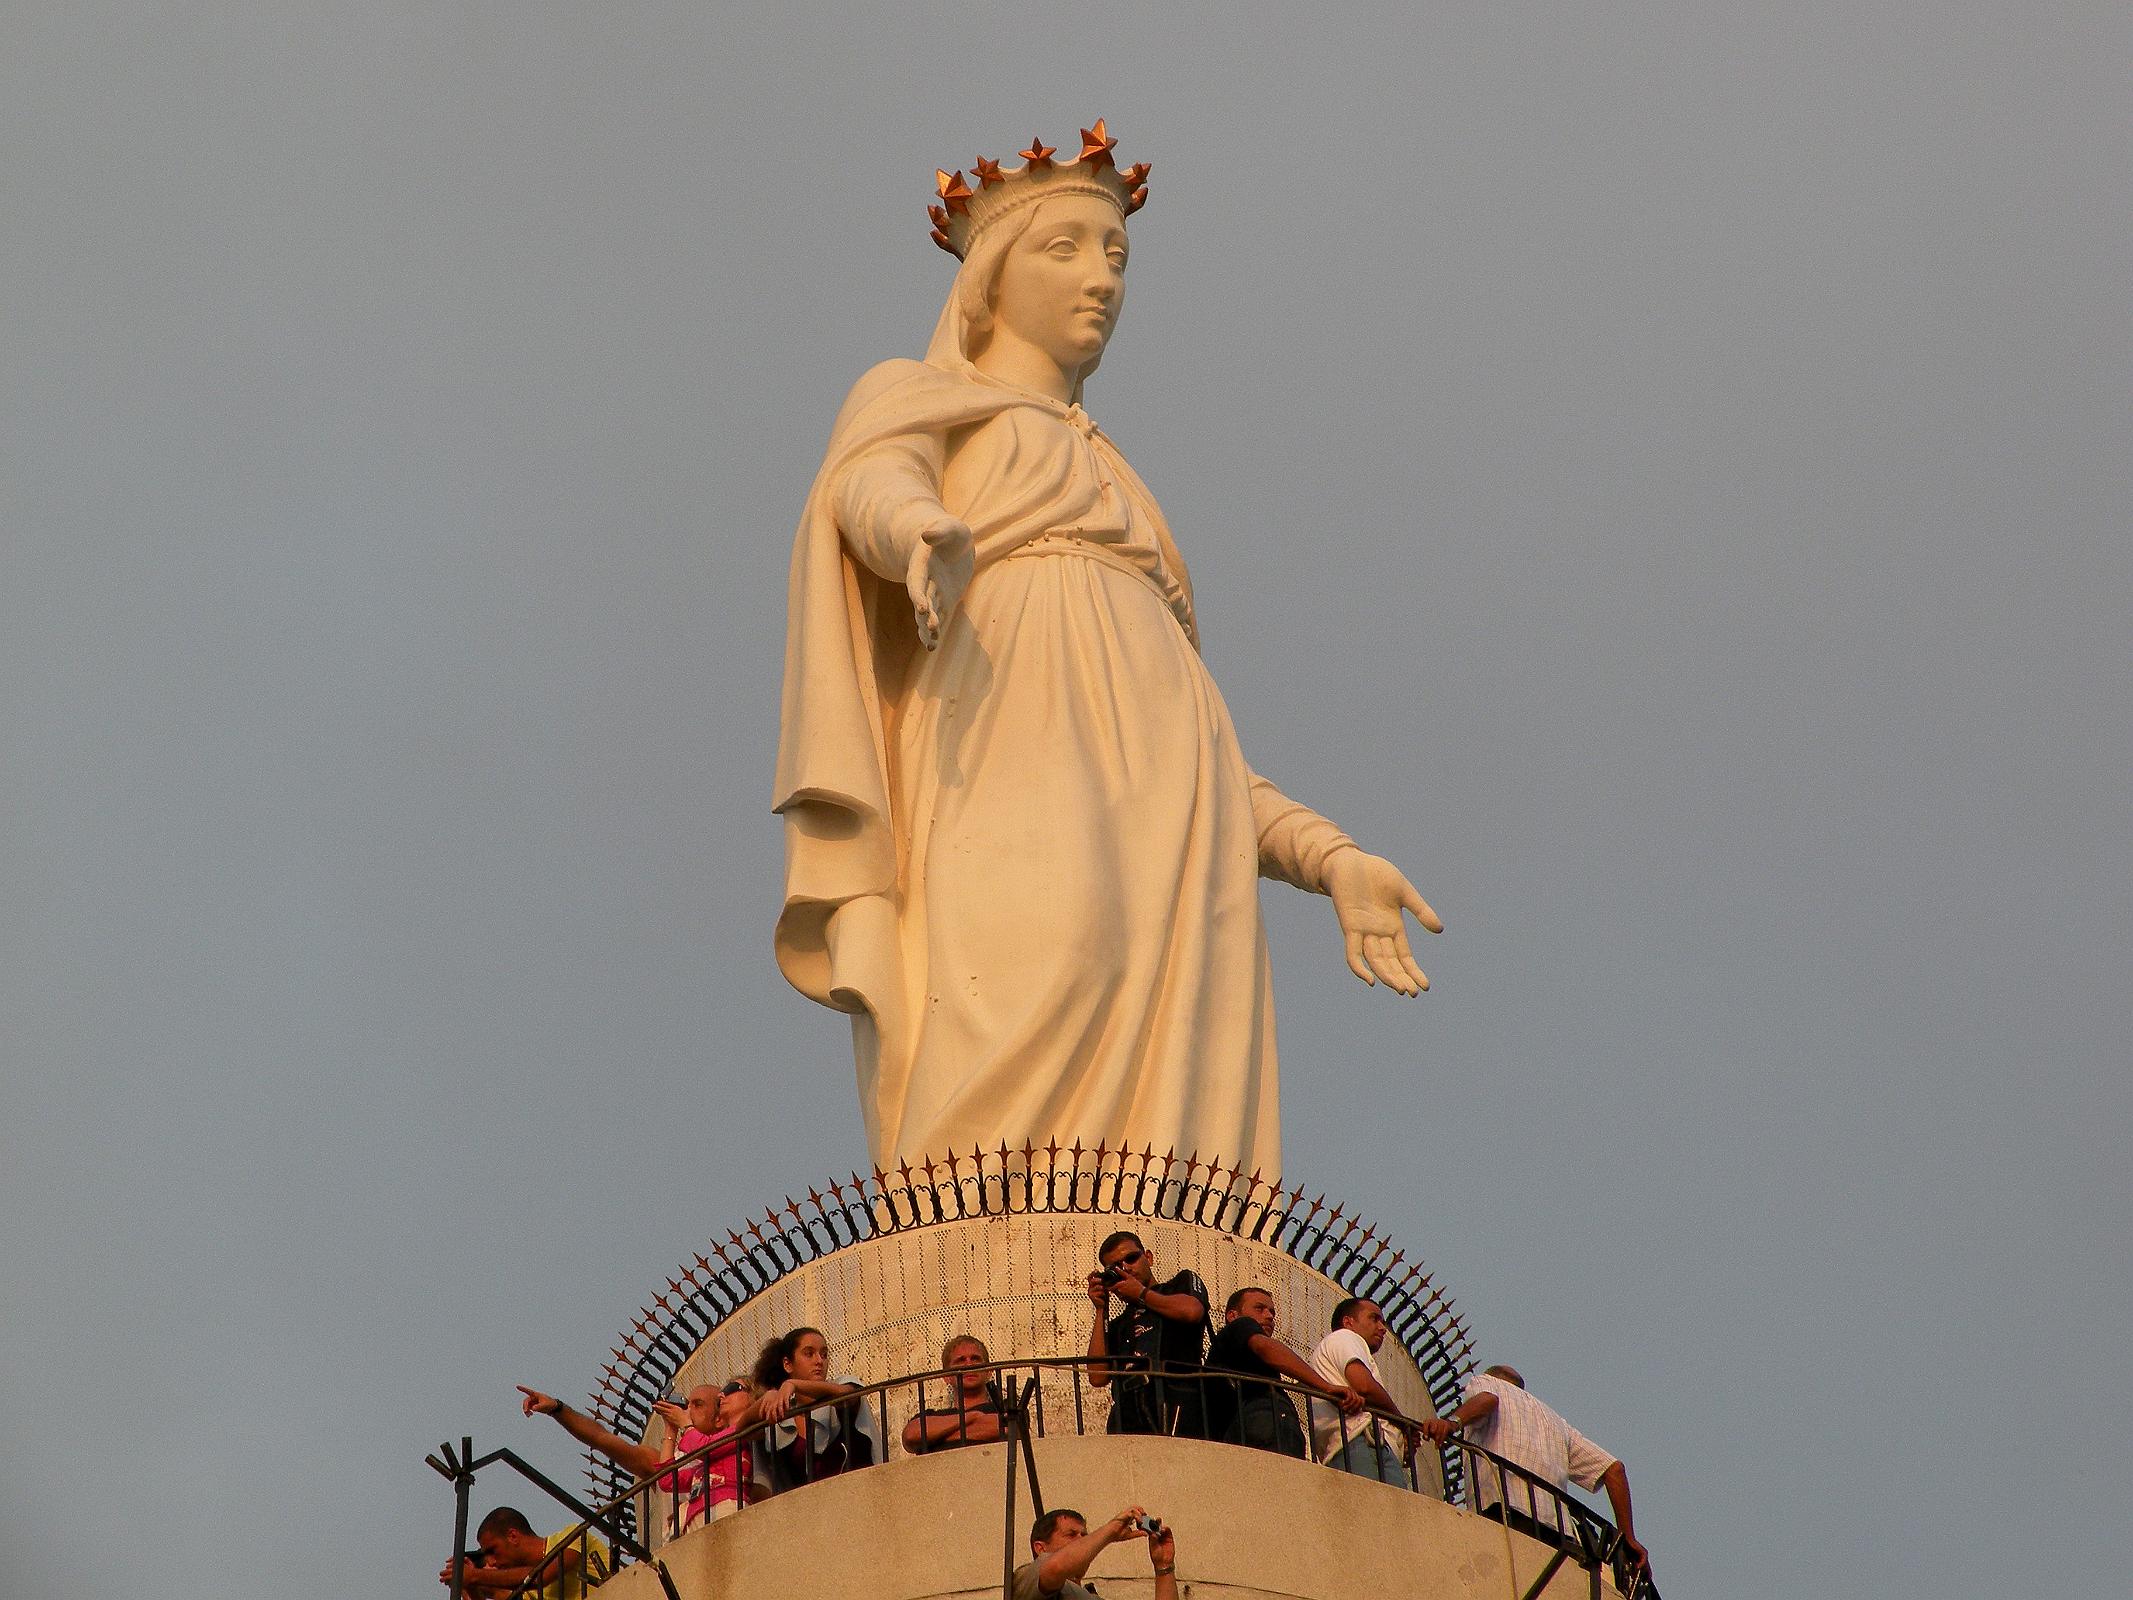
(999, 1244)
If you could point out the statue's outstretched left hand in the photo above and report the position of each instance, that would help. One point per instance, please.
(1372, 897)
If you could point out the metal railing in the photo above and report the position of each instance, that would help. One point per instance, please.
(1507, 1493)
(679, 1493)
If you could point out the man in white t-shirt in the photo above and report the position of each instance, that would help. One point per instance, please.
(1501, 1418)
(1369, 1447)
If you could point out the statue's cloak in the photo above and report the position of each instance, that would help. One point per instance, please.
(850, 647)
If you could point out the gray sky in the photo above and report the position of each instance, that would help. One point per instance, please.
(1659, 471)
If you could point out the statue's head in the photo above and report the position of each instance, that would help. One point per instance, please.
(1056, 282)
(1043, 248)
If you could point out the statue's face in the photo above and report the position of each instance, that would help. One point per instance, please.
(1064, 280)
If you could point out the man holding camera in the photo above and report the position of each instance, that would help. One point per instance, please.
(1152, 1350)
(1061, 1546)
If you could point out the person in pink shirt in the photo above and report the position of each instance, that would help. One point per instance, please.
(704, 1490)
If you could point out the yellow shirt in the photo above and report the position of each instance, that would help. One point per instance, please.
(573, 1582)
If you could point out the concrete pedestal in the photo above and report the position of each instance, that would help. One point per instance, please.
(1000, 1246)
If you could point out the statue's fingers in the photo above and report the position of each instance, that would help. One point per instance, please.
(1411, 898)
(1387, 965)
(1406, 954)
(1355, 959)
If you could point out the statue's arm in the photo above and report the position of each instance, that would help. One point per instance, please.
(886, 499)
(1371, 897)
(1295, 842)
(888, 504)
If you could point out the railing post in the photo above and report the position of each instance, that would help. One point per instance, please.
(1547, 1572)
(463, 1490)
(1007, 1531)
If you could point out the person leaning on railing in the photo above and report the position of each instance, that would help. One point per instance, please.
(1368, 1447)
(1499, 1416)
(810, 1438)
(1260, 1414)
(713, 1487)
(971, 1414)
(1062, 1544)
(559, 1567)
(1163, 1328)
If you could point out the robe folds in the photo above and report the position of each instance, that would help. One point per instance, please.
(1026, 862)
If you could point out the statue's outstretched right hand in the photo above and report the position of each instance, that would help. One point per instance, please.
(939, 572)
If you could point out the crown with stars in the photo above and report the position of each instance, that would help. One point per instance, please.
(963, 212)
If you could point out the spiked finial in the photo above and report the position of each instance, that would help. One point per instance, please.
(1097, 145)
(1039, 154)
(988, 173)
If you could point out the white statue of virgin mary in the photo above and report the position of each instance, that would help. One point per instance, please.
(1022, 843)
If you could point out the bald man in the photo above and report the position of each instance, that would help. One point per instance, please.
(1497, 1414)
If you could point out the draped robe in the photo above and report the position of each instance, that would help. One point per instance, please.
(1026, 862)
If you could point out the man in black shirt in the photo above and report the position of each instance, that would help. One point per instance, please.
(1260, 1414)
(1152, 1348)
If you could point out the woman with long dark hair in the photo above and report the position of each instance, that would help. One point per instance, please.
(813, 1437)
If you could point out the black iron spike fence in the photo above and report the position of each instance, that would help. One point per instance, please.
(1032, 1181)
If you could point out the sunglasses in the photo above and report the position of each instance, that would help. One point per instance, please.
(735, 1387)
(1130, 1259)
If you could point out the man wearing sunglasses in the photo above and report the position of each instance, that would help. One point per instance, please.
(1153, 1349)
(710, 1488)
